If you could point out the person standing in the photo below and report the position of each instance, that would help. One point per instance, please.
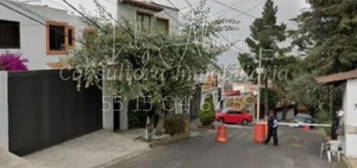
(272, 129)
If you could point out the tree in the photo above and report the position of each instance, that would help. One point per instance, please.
(207, 113)
(326, 36)
(265, 34)
(326, 39)
(158, 68)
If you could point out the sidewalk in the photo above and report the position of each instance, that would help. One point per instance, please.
(9, 160)
(350, 162)
(99, 149)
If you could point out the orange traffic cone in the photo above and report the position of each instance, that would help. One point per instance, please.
(307, 128)
(260, 132)
(222, 133)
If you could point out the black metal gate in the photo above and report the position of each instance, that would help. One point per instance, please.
(45, 110)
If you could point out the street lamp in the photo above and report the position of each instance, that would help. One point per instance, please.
(260, 70)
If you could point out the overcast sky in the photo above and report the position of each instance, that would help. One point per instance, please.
(287, 9)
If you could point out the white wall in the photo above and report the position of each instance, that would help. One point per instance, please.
(4, 123)
(118, 10)
(33, 34)
(350, 110)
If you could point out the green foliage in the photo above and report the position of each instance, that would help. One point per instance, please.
(326, 36)
(273, 97)
(305, 91)
(149, 64)
(175, 125)
(207, 113)
(266, 34)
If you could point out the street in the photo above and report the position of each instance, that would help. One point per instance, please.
(298, 149)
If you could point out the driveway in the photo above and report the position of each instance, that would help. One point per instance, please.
(298, 149)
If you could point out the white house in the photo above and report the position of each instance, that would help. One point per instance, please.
(44, 32)
(41, 34)
(349, 108)
(158, 15)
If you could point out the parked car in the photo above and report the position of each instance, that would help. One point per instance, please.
(234, 116)
(303, 118)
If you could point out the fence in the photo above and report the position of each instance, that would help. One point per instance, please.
(44, 110)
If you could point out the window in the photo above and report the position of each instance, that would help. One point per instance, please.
(144, 21)
(59, 37)
(9, 34)
(70, 36)
(89, 35)
(162, 26)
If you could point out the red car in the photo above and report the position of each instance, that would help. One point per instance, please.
(234, 116)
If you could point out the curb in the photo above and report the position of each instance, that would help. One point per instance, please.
(170, 140)
(122, 158)
(346, 164)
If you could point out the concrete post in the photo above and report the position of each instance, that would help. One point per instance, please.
(4, 111)
(124, 125)
(108, 105)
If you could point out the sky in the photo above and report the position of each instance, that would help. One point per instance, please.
(287, 9)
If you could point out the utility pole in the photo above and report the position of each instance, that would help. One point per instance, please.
(260, 70)
(259, 81)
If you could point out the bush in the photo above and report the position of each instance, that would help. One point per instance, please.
(175, 125)
(207, 113)
(12, 62)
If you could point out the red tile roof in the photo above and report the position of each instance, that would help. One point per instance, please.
(337, 77)
(144, 4)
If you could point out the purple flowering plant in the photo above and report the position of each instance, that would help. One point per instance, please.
(12, 62)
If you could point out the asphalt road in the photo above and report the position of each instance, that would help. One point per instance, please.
(298, 149)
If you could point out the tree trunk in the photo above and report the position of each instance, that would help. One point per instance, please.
(159, 130)
(149, 129)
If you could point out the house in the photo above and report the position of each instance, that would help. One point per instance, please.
(148, 13)
(349, 107)
(41, 34)
(44, 32)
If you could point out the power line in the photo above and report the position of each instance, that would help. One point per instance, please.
(234, 9)
(190, 6)
(21, 13)
(126, 29)
(34, 19)
(223, 11)
(250, 9)
(220, 34)
(85, 17)
(20, 5)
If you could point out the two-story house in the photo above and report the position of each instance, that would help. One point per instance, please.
(44, 31)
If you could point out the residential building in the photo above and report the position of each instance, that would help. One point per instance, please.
(41, 34)
(150, 14)
(44, 31)
(349, 108)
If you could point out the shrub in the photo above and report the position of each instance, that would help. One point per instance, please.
(207, 113)
(12, 62)
(175, 125)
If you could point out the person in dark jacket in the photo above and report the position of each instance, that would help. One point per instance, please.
(273, 129)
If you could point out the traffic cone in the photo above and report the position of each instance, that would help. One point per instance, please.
(260, 132)
(306, 128)
(222, 134)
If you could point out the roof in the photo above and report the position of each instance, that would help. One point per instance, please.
(337, 77)
(165, 6)
(232, 93)
(144, 4)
